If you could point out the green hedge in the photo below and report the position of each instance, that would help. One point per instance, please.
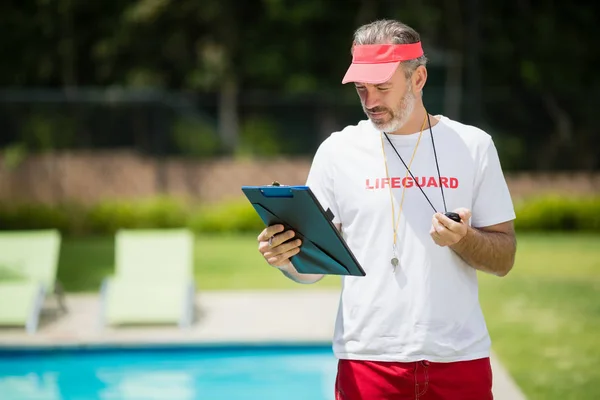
(227, 217)
(558, 213)
(109, 216)
(549, 213)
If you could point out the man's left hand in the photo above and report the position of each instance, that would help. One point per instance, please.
(446, 232)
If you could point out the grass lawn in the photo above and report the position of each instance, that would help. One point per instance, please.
(221, 262)
(544, 317)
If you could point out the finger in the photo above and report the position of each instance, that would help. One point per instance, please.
(283, 259)
(270, 231)
(433, 230)
(283, 248)
(436, 237)
(444, 235)
(275, 241)
(449, 237)
(465, 214)
(281, 237)
(437, 225)
(444, 240)
(447, 222)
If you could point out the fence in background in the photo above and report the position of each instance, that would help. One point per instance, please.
(87, 145)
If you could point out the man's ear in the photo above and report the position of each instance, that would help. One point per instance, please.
(419, 77)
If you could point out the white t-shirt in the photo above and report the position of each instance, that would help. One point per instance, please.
(428, 308)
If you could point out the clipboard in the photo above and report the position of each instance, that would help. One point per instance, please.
(323, 249)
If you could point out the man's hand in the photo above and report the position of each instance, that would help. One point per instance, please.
(275, 251)
(446, 232)
(490, 248)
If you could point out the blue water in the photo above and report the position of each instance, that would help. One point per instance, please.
(206, 373)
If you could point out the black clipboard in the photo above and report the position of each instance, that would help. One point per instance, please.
(323, 249)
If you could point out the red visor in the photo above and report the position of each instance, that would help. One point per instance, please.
(376, 63)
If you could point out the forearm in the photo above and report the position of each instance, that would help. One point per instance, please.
(487, 251)
(290, 271)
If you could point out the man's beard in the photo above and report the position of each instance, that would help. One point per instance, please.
(400, 114)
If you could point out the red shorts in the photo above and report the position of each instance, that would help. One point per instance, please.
(423, 380)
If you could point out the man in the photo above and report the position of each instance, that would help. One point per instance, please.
(412, 327)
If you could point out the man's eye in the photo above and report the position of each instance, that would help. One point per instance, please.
(383, 89)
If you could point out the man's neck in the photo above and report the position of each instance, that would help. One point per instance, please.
(415, 122)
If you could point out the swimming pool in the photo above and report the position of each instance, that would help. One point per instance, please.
(252, 372)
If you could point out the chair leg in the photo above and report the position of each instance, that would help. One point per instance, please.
(34, 318)
(188, 312)
(59, 292)
(103, 294)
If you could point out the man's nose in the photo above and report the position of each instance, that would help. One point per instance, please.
(371, 99)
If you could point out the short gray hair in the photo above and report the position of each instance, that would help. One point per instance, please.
(387, 31)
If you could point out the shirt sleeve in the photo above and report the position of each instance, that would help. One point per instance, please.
(321, 179)
(492, 203)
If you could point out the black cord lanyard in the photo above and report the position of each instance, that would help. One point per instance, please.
(451, 215)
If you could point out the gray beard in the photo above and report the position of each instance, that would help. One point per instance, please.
(401, 115)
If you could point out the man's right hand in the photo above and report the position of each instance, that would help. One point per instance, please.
(277, 253)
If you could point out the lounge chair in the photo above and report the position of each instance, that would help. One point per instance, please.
(28, 267)
(153, 281)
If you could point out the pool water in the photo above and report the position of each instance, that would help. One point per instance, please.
(170, 373)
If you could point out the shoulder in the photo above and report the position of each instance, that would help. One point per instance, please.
(478, 142)
(471, 135)
(334, 149)
(348, 136)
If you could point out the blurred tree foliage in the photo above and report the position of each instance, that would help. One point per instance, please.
(523, 69)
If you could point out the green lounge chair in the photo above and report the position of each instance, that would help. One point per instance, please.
(28, 266)
(153, 281)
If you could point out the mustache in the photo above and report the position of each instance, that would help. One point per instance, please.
(376, 110)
